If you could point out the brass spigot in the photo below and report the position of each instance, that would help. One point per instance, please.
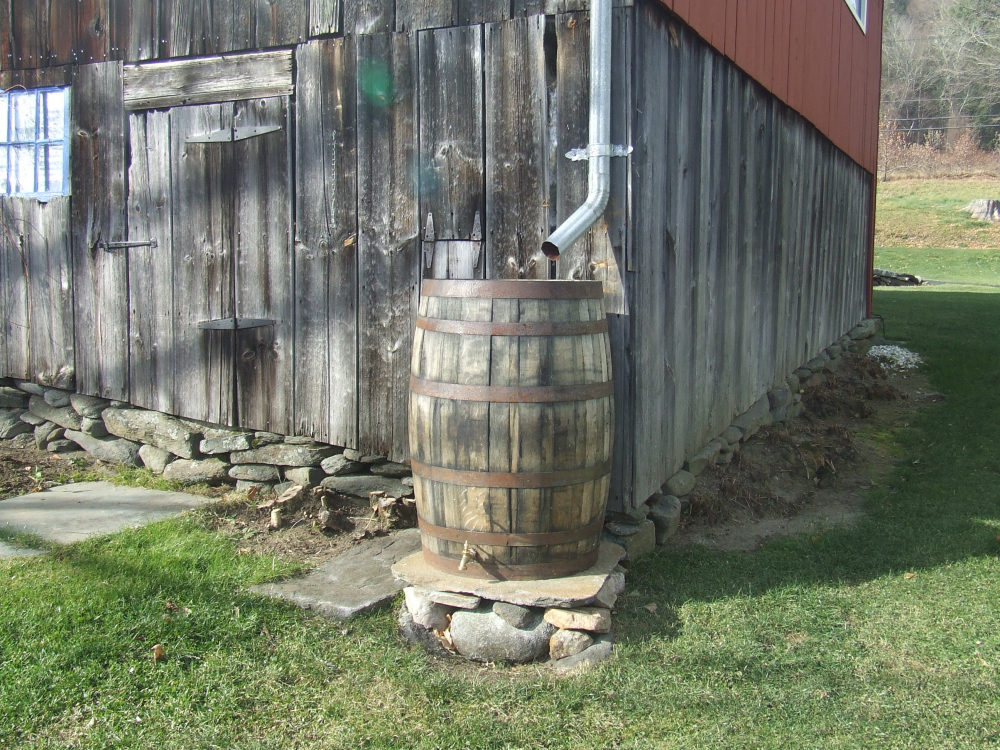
(468, 555)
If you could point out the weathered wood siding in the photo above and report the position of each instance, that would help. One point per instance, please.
(750, 240)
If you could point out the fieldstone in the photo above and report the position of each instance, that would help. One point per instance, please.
(56, 397)
(299, 440)
(88, 406)
(833, 365)
(451, 599)
(307, 476)
(261, 439)
(732, 435)
(703, 458)
(153, 428)
(598, 652)
(155, 459)
(780, 395)
(255, 472)
(633, 516)
(638, 544)
(679, 484)
(792, 381)
(390, 469)
(794, 410)
(94, 427)
(353, 455)
(878, 340)
(750, 421)
(359, 485)
(63, 416)
(282, 487)
(425, 612)
(113, 450)
(591, 619)
(408, 481)
(48, 431)
(28, 387)
(225, 444)
(12, 425)
(187, 471)
(665, 514)
(244, 485)
(619, 528)
(482, 635)
(834, 350)
(339, 465)
(780, 415)
(815, 380)
(515, 615)
(419, 635)
(62, 445)
(12, 398)
(24, 440)
(565, 643)
(282, 454)
(802, 374)
(611, 590)
(725, 457)
(372, 458)
(33, 419)
(864, 329)
(819, 362)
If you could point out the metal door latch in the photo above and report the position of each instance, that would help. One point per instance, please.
(109, 246)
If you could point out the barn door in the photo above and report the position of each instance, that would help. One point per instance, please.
(211, 299)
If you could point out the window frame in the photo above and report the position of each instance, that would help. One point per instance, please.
(8, 142)
(859, 9)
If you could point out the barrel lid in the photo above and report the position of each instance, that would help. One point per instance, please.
(512, 289)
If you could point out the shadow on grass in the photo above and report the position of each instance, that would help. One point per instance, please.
(940, 505)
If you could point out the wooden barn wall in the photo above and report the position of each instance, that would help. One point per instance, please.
(812, 55)
(750, 235)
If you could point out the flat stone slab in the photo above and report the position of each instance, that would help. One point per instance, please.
(572, 591)
(7, 551)
(72, 512)
(357, 581)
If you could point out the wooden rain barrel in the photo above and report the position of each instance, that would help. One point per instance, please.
(511, 426)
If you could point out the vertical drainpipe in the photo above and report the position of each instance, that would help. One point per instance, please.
(599, 148)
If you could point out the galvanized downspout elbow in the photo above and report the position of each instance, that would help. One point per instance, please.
(599, 148)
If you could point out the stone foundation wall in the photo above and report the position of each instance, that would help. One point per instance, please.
(188, 451)
(656, 520)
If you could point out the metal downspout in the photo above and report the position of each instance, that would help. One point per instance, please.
(599, 148)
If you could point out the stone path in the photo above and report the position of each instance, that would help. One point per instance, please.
(357, 581)
(73, 512)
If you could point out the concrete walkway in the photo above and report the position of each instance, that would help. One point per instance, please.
(73, 512)
(7, 551)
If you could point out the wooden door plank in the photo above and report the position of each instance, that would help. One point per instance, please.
(516, 146)
(151, 269)
(415, 15)
(98, 214)
(276, 23)
(50, 291)
(202, 212)
(264, 281)
(326, 261)
(369, 16)
(389, 240)
(451, 130)
(324, 17)
(13, 290)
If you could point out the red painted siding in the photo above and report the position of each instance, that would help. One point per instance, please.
(811, 54)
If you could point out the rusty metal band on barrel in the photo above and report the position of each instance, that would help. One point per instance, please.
(501, 539)
(490, 328)
(510, 480)
(512, 572)
(522, 394)
(512, 289)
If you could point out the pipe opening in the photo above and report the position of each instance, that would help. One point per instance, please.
(551, 250)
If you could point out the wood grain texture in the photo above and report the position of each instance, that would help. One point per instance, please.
(98, 214)
(152, 355)
(369, 16)
(326, 271)
(209, 79)
(388, 236)
(517, 218)
(451, 130)
(263, 269)
(202, 204)
(324, 17)
(14, 343)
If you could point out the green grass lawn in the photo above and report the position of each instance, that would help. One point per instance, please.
(884, 635)
(953, 265)
(927, 213)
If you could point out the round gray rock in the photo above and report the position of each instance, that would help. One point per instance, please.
(255, 472)
(482, 635)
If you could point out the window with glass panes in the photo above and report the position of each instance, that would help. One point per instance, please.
(34, 142)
